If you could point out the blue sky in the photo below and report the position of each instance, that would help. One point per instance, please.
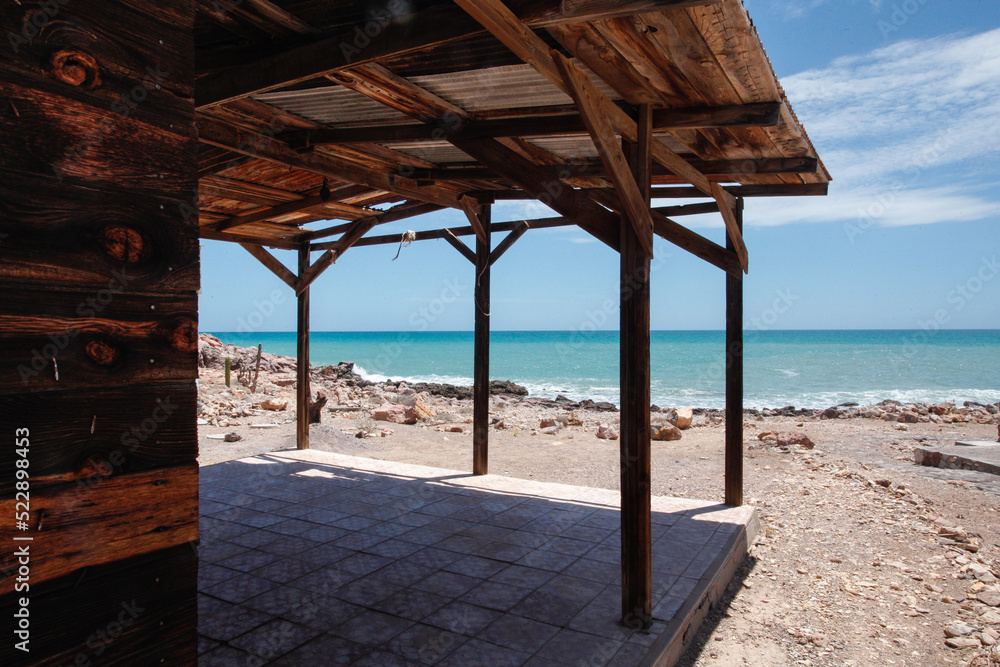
(901, 99)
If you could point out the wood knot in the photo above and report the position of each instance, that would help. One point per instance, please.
(103, 353)
(76, 68)
(122, 243)
(184, 337)
(94, 466)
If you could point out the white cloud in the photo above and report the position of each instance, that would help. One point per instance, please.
(793, 9)
(911, 128)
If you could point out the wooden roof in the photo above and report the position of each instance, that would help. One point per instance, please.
(364, 113)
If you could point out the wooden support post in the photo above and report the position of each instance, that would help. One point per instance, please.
(481, 388)
(303, 393)
(635, 428)
(734, 377)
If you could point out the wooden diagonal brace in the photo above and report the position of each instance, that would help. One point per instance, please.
(509, 240)
(466, 251)
(276, 267)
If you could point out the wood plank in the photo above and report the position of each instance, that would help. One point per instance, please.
(734, 378)
(636, 527)
(80, 525)
(587, 99)
(426, 27)
(509, 240)
(481, 351)
(452, 239)
(437, 234)
(98, 337)
(272, 264)
(566, 124)
(136, 611)
(248, 142)
(88, 142)
(104, 49)
(62, 234)
(303, 392)
(551, 192)
(124, 431)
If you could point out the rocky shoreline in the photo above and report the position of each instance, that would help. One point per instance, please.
(439, 404)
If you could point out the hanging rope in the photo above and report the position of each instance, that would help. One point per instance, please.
(408, 237)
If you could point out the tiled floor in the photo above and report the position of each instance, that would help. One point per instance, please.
(313, 558)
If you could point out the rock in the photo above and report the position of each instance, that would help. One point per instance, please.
(666, 432)
(989, 597)
(670, 415)
(385, 433)
(941, 408)
(908, 417)
(768, 435)
(547, 423)
(454, 429)
(273, 404)
(800, 439)
(607, 432)
(962, 642)
(958, 629)
(316, 408)
(830, 413)
(990, 617)
(421, 411)
(571, 419)
(549, 430)
(684, 417)
(233, 437)
(397, 414)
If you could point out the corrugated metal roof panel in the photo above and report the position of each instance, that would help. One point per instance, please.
(493, 88)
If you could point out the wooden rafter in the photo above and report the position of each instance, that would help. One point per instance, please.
(217, 133)
(430, 26)
(332, 209)
(587, 101)
(519, 38)
(741, 115)
(400, 212)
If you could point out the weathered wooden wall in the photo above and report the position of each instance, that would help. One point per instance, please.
(98, 329)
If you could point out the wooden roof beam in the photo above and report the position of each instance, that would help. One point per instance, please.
(430, 26)
(715, 169)
(249, 142)
(587, 99)
(455, 243)
(509, 240)
(329, 206)
(766, 114)
(687, 192)
(519, 38)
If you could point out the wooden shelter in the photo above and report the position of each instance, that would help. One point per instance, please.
(130, 129)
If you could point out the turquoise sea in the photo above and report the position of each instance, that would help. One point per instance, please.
(800, 368)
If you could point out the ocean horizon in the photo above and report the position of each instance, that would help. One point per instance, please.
(804, 368)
